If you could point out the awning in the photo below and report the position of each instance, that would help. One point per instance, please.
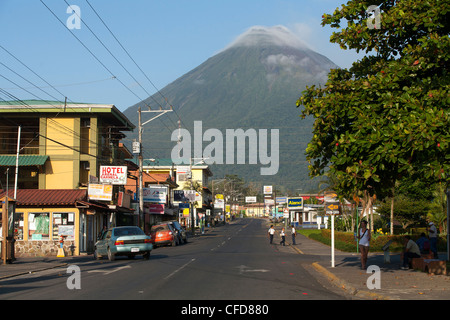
(24, 160)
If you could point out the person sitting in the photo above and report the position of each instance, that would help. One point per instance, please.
(411, 251)
(423, 243)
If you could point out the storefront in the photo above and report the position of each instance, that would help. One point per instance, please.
(42, 216)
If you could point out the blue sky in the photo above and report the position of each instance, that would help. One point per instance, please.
(165, 38)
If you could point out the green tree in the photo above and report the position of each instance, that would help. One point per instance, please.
(387, 116)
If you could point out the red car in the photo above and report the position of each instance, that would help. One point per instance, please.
(163, 234)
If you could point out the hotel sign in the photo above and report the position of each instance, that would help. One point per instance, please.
(113, 175)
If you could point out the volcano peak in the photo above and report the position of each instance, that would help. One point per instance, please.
(263, 36)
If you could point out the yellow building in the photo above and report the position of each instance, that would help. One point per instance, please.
(61, 147)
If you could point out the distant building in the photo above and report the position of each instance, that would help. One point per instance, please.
(180, 175)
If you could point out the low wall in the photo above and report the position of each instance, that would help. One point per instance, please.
(37, 248)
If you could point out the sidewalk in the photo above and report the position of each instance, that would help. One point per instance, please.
(27, 265)
(396, 284)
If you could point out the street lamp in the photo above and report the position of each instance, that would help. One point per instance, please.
(141, 160)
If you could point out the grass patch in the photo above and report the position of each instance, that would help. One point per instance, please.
(345, 241)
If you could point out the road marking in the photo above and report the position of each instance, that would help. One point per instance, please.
(243, 269)
(106, 272)
(180, 268)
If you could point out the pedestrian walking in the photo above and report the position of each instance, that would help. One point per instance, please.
(432, 233)
(364, 242)
(294, 234)
(283, 237)
(271, 232)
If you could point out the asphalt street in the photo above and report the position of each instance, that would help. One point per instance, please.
(233, 262)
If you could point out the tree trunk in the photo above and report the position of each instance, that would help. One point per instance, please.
(392, 211)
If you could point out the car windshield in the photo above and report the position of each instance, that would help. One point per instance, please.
(132, 231)
(159, 228)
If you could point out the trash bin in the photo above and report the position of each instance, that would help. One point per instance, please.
(10, 249)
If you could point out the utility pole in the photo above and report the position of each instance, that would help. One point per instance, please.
(141, 164)
(141, 160)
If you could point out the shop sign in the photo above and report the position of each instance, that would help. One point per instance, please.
(155, 194)
(295, 203)
(102, 192)
(116, 175)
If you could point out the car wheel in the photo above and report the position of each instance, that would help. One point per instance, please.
(111, 256)
(96, 256)
(147, 255)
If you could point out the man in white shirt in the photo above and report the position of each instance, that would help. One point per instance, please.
(271, 232)
(294, 234)
(411, 251)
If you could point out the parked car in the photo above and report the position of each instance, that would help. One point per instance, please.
(180, 231)
(163, 234)
(123, 241)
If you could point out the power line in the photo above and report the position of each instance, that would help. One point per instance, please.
(98, 60)
(135, 63)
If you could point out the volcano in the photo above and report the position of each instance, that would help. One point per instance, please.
(253, 83)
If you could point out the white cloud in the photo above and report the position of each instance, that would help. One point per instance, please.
(277, 35)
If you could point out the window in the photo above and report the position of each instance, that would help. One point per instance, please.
(64, 224)
(18, 226)
(38, 226)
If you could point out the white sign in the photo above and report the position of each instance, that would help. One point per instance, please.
(100, 192)
(192, 195)
(267, 189)
(281, 200)
(113, 175)
(250, 199)
(136, 147)
(155, 194)
(219, 203)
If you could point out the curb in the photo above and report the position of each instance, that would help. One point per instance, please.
(347, 287)
(32, 271)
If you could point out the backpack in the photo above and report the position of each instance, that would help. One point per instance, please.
(426, 245)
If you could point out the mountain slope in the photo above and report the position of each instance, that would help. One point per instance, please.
(253, 83)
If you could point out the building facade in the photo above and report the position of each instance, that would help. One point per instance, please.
(61, 149)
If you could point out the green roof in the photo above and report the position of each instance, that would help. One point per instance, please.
(24, 160)
(33, 106)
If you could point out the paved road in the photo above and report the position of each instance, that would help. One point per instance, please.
(233, 262)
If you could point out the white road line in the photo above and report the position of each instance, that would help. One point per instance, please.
(180, 268)
(105, 272)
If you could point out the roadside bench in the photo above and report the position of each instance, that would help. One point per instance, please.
(431, 266)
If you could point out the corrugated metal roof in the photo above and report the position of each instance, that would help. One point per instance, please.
(53, 197)
(24, 160)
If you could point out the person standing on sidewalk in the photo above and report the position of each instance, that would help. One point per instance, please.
(294, 234)
(432, 233)
(283, 237)
(271, 232)
(364, 237)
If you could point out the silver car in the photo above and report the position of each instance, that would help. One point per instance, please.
(123, 241)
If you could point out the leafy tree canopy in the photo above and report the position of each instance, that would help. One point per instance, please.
(388, 115)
